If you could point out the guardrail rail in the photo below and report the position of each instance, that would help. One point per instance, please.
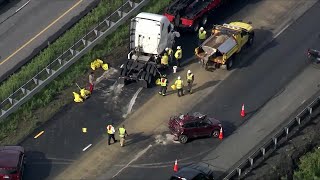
(70, 56)
(267, 147)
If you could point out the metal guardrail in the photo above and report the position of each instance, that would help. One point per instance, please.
(272, 143)
(67, 58)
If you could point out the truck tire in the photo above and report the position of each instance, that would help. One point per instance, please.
(153, 71)
(148, 67)
(230, 63)
(149, 81)
(124, 72)
(142, 76)
(129, 64)
(250, 40)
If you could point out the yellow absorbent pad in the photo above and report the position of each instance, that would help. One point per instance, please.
(84, 93)
(96, 64)
(77, 97)
(105, 67)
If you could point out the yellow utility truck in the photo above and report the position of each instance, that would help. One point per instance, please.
(226, 40)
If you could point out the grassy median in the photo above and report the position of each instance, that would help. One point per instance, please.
(53, 97)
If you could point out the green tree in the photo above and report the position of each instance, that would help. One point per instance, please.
(309, 167)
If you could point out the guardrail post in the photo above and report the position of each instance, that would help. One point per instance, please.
(287, 131)
(275, 141)
(298, 119)
(251, 161)
(263, 150)
(310, 110)
(239, 171)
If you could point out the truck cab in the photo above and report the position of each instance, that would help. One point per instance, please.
(150, 35)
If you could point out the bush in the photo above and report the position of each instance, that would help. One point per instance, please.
(66, 79)
(309, 167)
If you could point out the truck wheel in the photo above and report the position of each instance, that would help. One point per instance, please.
(153, 71)
(148, 67)
(129, 64)
(123, 72)
(149, 81)
(183, 139)
(250, 40)
(230, 63)
(142, 76)
(204, 20)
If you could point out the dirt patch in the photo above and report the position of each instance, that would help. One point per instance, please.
(284, 161)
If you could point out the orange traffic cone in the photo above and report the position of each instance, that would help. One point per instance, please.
(175, 167)
(221, 134)
(242, 113)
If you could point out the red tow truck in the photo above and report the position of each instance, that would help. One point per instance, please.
(191, 14)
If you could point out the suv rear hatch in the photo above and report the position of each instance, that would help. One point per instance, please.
(8, 173)
(175, 125)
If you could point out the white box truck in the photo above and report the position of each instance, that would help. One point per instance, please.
(150, 35)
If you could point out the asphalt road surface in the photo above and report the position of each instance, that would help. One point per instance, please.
(256, 81)
(26, 27)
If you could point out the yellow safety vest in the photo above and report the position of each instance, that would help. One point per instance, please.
(178, 54)
(163, 82)
(179, 84)
(122, 131)
(164, 60)
(170, 51)
(109, 128)
(202, 35)
(190, 77)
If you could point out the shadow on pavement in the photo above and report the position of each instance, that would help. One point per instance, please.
(261, 35)
(205, 86)
(37, 166)
(135, 138)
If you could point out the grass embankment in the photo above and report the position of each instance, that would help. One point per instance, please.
(309, 167)
(53, 97)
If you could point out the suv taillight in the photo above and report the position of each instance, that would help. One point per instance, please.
(6, 177)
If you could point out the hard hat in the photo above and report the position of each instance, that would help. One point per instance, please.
(201, 29)
(179, 47)
(189, 71)
(179, 77)
(164, 75)
(167, 49)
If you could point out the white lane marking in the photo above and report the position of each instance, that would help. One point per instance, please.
(282, 30)
(84, 149)
(132, 101)
(303, 101)
(134, 159)
(23, 6)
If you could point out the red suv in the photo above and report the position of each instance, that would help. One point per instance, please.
(184, 127)
(11, 162)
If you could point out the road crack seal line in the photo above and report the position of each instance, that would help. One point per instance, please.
(134, 159)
